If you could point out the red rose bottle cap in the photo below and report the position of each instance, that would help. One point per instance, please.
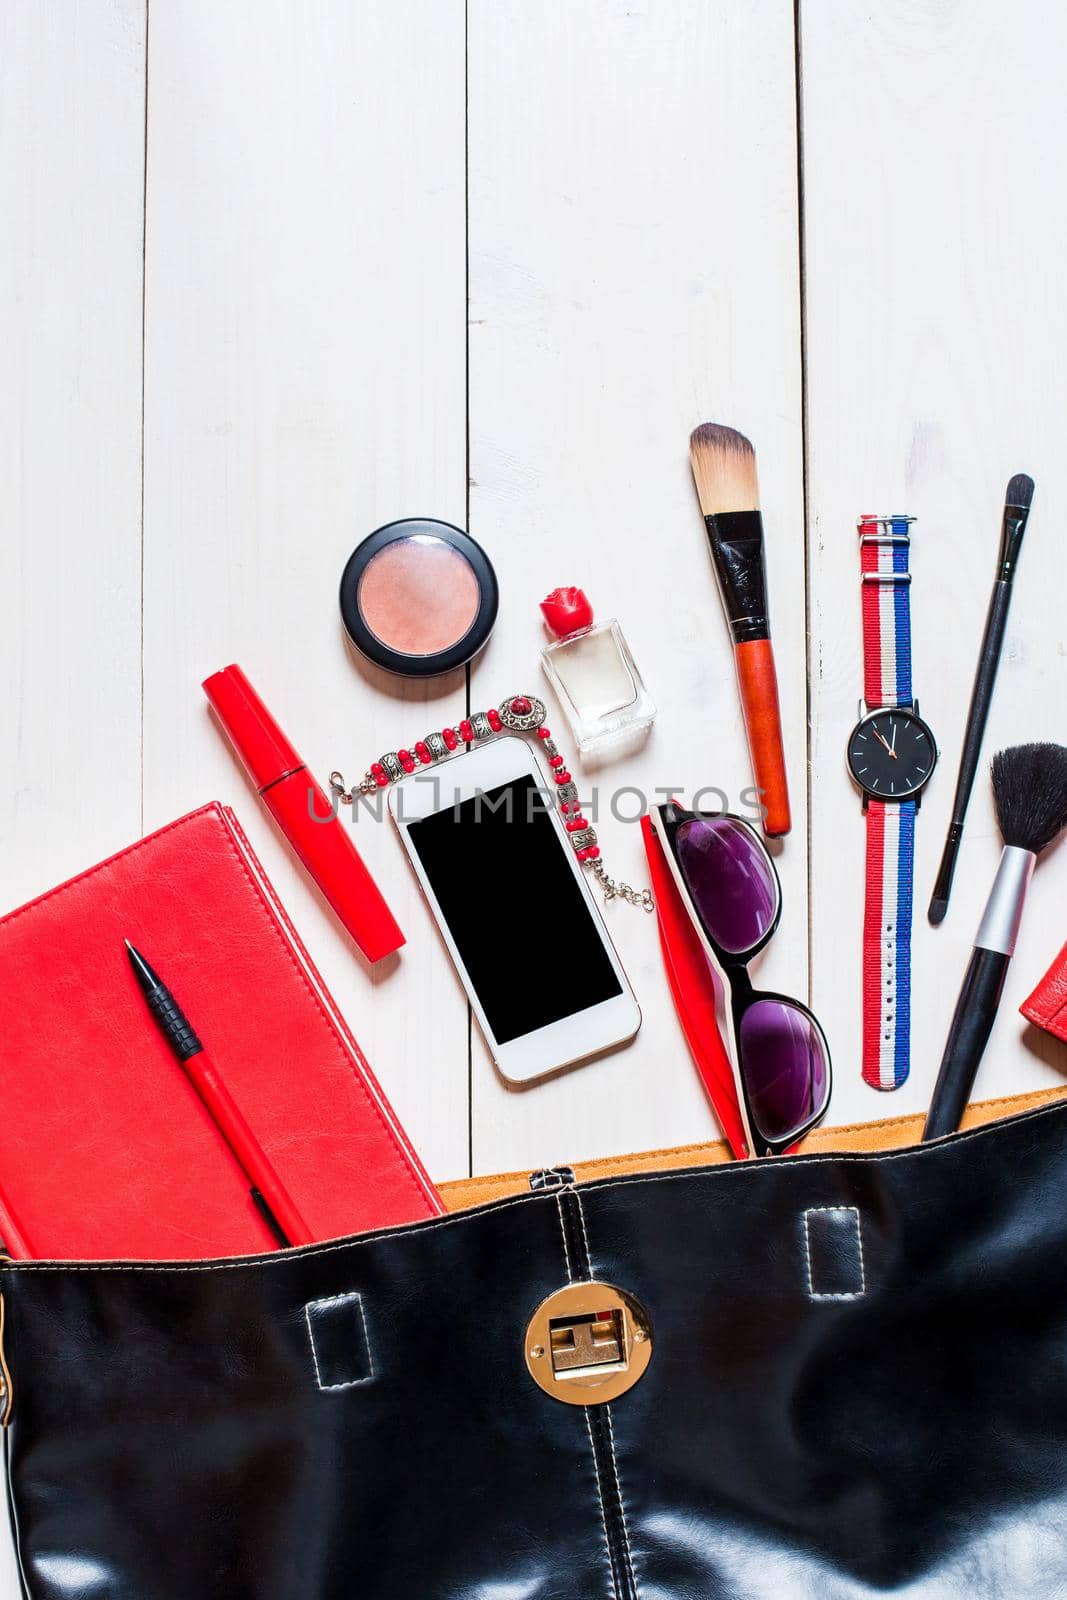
(567, 611)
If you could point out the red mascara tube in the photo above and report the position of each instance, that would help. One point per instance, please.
(303, 813)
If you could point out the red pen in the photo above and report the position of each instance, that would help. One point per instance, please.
(304, 813)
(13, 1242)
(269, 1194)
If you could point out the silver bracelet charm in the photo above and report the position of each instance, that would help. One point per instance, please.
(519, 713)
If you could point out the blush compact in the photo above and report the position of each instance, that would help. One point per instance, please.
(419, 597)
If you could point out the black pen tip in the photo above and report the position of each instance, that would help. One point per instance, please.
(145, 976)
(1020, 492)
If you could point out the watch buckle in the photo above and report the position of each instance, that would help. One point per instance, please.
(883, 522)
(864, 710)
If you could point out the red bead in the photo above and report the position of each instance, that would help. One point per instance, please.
(562, 776)
(466, 732)
(592, 852)
(521, 706)
(544, 733)
(422, 750)
(564, 806)
(379, 774)
(494, 720)
(556, 761)
(583, 855)
(573, 824)
(406, 759)
(450, 737)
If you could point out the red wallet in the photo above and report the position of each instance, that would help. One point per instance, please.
(106, 1150)
(1047, 1006)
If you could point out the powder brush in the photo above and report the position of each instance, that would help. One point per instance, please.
(1030, 794)
(724, 469)
(1017, 498)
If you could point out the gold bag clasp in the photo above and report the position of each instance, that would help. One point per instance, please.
(588, 1343)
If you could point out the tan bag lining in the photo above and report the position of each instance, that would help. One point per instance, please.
(894, 1133)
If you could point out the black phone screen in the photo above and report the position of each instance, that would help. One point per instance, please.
(516, 914)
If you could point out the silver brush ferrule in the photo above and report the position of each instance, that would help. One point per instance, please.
(1004, 909)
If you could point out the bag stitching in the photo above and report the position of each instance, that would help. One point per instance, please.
(622, 1507)
(585, 1235)
(336, 1300)
(309, 1253)
(715, 1173)
(1043, 1098)
(846, 1294)
(586, 1412)
(585, 1409)
(622, 1521)
(563, 1231)
(871, 1159)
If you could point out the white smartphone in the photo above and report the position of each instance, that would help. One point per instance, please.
(509, 895)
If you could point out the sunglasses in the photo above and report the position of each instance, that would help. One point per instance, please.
(777, 1050)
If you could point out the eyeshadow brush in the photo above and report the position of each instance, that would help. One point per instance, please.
(1017, 500)
(724, 469)
(1030, 793)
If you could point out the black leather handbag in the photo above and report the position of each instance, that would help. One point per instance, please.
(826, 1376)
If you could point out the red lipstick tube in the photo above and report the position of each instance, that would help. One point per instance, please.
(301, 809)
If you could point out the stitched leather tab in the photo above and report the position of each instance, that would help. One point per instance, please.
(340, 1345)
(833, 1253)
(551, 1178)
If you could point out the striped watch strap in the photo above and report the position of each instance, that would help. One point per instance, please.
(884, 550)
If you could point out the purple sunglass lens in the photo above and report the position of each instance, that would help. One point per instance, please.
(785, 1068)
(730, 878)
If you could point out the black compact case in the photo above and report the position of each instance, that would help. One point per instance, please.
(419, 597)
(828, 1377)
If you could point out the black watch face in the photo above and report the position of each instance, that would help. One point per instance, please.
(891, 754)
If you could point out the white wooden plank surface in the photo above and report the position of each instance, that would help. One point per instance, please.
(71, 184)
(71, 191)
(935, 333)
(305, 382)
(634, 271)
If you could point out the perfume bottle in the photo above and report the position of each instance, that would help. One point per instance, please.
(593, 673)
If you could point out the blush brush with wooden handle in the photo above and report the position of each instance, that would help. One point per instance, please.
(1030, 793)
(724, 468)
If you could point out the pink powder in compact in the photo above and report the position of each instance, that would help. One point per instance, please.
(419, 596)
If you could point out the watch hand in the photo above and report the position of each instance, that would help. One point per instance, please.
(893, 749)
(882, 740)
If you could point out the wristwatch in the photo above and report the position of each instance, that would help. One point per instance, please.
(891, 756)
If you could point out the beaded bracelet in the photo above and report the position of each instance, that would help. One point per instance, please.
(519, 713)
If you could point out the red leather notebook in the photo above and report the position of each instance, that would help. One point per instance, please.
(1047, 1006)
(106, 1151)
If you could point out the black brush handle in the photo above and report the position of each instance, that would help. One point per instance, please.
(976, 1011)
(981, 698)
